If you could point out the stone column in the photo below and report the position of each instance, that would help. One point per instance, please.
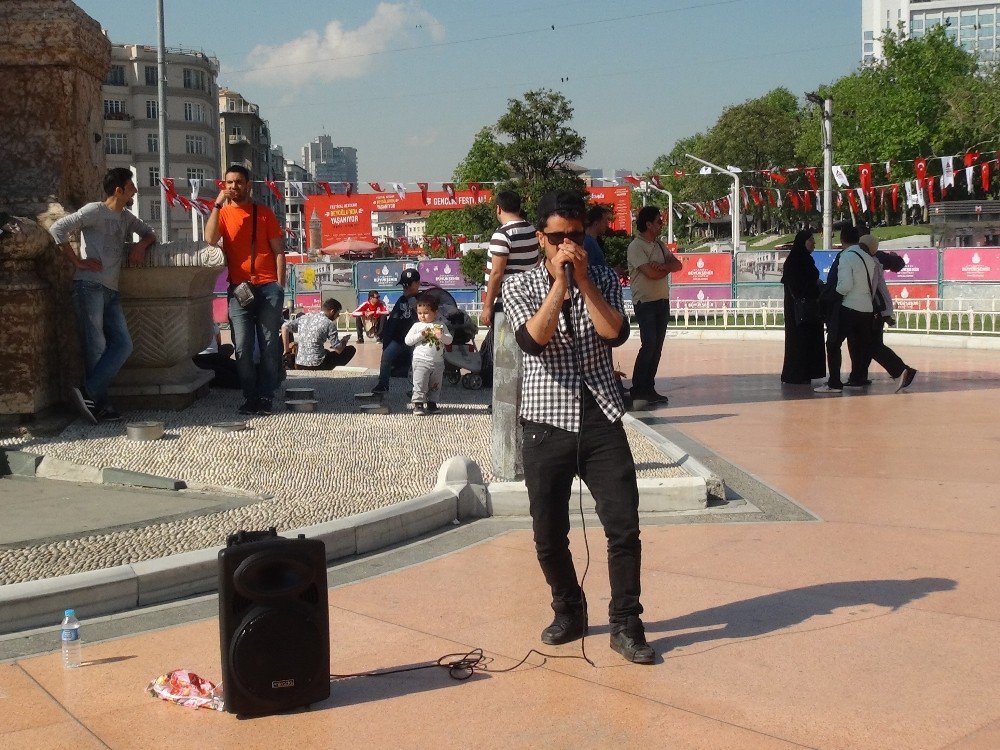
(508, 369)
(53, 58)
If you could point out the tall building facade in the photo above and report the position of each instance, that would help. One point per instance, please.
(971, 23)
(246, 140)
(131, 126)
(329, 163)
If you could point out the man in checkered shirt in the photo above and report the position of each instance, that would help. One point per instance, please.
(571, 411)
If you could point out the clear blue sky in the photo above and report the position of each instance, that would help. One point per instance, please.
(410, 83)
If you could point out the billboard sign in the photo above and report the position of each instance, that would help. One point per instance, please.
(380, 274)
(703, 269)
(443, 273)
(760, 265)
(921, 265)
(913, 296)
(700, 297)
(972, 264)
(620, 199)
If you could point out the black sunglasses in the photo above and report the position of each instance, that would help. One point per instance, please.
(557, 238)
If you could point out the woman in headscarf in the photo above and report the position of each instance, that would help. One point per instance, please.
(805, 355)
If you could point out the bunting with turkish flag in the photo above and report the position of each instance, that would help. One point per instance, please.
(852, 199)
(274, 189)
(679, 173)
(865, 177)
(930, 189)
(474, 187)
(325, 186)
(776, 175)
(811, 176)
(169, 191)
(895, 197)
(807, 200)
(755, 195)
(630, 179)
(423, 191)
(920, 169)
(375, 186)
(793, 197)
(985, 176)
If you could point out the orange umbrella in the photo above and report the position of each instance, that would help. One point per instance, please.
(350, 245)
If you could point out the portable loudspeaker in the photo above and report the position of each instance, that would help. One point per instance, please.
(274, 626)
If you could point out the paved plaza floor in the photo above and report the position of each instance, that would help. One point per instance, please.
(875, 626)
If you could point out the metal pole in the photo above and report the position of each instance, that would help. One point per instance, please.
(161, 73)
(827, 173)
(735, 202)
(670, 217)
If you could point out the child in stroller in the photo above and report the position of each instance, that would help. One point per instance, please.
(461, 354)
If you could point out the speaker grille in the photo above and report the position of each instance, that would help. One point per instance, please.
(268, 657)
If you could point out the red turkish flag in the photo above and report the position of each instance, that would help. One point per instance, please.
(771, 199)
(376, 187)
(794, 198)
(185, 203)
(679, 173)
(811, 176)
(204, 206)
(632, 180)
(474, 187)
(221, 184)
(930, 189)
(807, 200)
(986, 176)
(895, 197)
(724, 205)
(169, 191)
(746, 200)
(920, 168)
(274, 189)
(755, 195)
(449, 188)
(325, 186)
(777, 177)
(423, 191)
(865, 177)
(853, 200)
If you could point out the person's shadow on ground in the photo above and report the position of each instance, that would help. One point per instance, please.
(773, 612)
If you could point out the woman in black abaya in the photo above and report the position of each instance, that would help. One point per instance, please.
(805, 355)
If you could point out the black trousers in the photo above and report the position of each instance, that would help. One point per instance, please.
(885, 356)
(856, 327)
(607, 466)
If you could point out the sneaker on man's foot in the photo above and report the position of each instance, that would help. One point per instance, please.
(264, 407)
(108, 413)
(827, 389)
(906, 379)
(248, 407)
(419, 410)
(85, 406)
(431, 408)
(379, 388)
(862, 384)
(565, 627)
(629, 640)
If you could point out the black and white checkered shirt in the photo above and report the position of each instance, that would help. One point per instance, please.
(551, 389)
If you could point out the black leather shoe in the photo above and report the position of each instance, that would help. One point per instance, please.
(630, 642)
(565, 628)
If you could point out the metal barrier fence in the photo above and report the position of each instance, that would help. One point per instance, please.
(949, 316)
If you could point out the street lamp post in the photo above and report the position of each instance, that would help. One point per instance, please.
(161, 96)
(735, 207)
(827, 135)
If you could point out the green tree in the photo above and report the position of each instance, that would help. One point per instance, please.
(485, 162)
(473, 265)
(472, 221)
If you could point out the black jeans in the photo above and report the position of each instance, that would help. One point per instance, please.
(856, 327)
(885, 356)
(652, 318)
(606, 465)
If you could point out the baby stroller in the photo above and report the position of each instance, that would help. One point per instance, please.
(461, 354)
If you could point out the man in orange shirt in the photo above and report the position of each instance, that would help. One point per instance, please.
(254, 255)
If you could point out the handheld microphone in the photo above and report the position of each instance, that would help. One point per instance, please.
(568, 270)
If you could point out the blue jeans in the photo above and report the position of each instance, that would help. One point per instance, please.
(550, 464)
(258, 326)
(395, 356)
(652, 318)
(104, 336)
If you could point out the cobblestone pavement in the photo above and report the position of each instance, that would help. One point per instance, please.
(307, 467)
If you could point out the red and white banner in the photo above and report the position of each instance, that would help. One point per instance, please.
(972, 264)
(703, 269)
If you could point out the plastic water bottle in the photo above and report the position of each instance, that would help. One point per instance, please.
(70, 636)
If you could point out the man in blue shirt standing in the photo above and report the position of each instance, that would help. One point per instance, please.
(598, 219)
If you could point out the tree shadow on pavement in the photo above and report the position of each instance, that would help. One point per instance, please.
(774, 612)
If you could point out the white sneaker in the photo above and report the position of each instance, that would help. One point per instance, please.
(827, 389)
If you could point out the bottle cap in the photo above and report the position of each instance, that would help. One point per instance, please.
(69, 613)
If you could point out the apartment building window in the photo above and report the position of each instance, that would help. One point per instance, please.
(114, 107)
(195, 173)
(151, 77)
(154, 176)
(194, 79)
(116, 143)
(194, 112)
(194, 144)
(154, 211)
(116, 76)
(869, 36)
(152, 109)
(237, 130)
(152, 143)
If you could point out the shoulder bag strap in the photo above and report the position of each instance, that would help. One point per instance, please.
(253, 239)
(871, 289)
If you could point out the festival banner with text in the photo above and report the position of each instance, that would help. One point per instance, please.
(972, 264)
(703, 268)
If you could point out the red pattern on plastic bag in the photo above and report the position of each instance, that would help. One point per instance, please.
(187, 689)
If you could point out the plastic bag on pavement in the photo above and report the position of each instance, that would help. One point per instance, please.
(187, 689)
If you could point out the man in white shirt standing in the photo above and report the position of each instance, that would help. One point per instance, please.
(649, 264)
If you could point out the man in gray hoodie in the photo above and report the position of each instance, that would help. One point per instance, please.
(106, 226)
